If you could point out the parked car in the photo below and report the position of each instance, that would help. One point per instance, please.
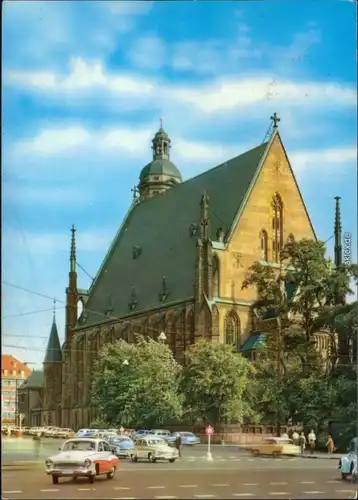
(84, 457)
(162, 433)
(121, 446)
(140, 433)
(153, 449)
(50, 432)
(86, 433)
(276, 446)
(64, 433)
(187, 438)
(348, 464)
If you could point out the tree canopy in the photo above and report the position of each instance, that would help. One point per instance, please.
(214, 382)
(137, 384)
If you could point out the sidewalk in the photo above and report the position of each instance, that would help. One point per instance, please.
(322, 455)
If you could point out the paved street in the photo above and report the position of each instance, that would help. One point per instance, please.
(133, 483)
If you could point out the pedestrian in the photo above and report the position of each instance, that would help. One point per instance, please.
(302, 442)
(312, 441)
(37, 440)
(285, 435)
(178, 443)
(296, 438)
(330, 445)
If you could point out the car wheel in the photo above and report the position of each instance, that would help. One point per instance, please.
(275, 454)
(112, 473)
(151, 458)
(172, 460)
(134, 458)
(255, 453)
(91, 479)
(54, 479)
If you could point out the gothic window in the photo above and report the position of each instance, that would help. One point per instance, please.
(232, 330)
(263, 246)
(216, 276)
(277, 227)
(165, 148)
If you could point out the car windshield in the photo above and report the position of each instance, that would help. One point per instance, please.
(187, 434)
(121, 440)
(156, 442)
(79, 446)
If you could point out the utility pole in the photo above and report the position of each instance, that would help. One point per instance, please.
(278, 373)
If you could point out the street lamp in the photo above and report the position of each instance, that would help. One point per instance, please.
(162, 337)
(125, 362)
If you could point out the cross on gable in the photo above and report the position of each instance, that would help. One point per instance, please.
(275, 118)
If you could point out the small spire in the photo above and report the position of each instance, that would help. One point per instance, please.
(73, 250)
(337, 234)
(275, 119)
(54, 309)
(204, 217)
(161, 122)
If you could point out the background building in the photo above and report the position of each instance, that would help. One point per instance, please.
(13, 374)
(30, 398)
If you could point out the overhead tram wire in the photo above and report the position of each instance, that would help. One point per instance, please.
(37, 311)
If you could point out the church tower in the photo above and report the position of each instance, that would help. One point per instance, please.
(53, 377)
(160, 174)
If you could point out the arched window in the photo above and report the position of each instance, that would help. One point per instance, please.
(216, 276)
(277, 227)
(263, 246)
(232, 330)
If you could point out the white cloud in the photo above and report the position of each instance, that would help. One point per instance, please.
(320, 159)
(234, 93)
(97, 240)
(83, 75)
(224, 95)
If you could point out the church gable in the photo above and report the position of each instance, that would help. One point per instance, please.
(273, 213)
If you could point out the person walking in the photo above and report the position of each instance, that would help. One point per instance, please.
(330, 445)
(178, 444)
(312, 441)
(302, 442)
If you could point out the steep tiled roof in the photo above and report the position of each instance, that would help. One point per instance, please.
(34, 381)
(53, 350)
(160, 228)
(10, 363)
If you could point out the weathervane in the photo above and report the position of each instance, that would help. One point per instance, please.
(54, 308)
(161, 122)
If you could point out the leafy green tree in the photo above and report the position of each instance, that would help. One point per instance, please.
(137, 384)
(214, 383)
(291, 384)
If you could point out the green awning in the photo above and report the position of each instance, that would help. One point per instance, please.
(253, 342)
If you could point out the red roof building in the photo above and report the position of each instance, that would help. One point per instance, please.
(13, 373)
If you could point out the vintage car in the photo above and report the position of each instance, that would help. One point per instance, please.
(276, 446)
(83, 457)
(348, 464)
(153, 449)
(161, 433)
(122, 446)
(187, 438)
(64, 434)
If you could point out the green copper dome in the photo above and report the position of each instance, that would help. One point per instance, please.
(160, 166)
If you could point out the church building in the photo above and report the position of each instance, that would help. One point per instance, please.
(176, 265)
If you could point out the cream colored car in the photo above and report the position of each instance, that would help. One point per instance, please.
(276, 446)
(153, 449)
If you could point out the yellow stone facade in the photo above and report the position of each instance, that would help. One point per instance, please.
(275, 177)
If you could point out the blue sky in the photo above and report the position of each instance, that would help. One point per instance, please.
(84, 85)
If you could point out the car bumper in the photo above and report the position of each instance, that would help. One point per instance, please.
(77, 471)
(124, 453)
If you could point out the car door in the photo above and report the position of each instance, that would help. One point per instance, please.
(111, 459)
(139, 448)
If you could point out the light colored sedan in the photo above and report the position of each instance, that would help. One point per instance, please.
(276, 446)
(153, 449)
(84, 457)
